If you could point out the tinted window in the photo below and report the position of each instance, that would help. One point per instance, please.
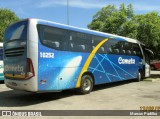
(111, 47)
(16, 31)
(53, 37)
(131, 49)
(80, 42)
(136, 50)
(127, 46)
(62, 39)
(95, 41)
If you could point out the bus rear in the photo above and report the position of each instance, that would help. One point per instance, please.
(1, 62)
(18, 66)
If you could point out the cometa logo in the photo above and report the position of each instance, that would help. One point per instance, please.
(17, 68)
(126, 61)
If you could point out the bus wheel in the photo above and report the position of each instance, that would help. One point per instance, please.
(139, 77)
(86, 84)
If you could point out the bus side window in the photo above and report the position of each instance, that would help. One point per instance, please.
(80, 42)
(95, 41)
(136, 50)
(80, 48)
(53, 37)
(113, 46)
(127, 48)
(110, 51)
(128, 52)
(109, 46)
(101, 50)
(72, 37)
(116, 51)
(93, 47)
(123, 51)
(56, 44)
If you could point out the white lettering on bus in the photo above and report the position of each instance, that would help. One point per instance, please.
(46, 55)
(16, 68)
(126, 61)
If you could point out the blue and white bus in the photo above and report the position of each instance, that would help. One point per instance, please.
(1, 62)
(42, 56)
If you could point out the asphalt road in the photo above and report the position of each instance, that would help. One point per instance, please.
(126, 95)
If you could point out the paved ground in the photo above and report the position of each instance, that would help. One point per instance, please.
(127, 95)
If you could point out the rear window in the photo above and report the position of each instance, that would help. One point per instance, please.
(16, 31)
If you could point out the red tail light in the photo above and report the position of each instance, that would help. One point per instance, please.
(30, 69)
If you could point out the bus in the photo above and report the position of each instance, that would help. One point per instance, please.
(43, 56)
(1, 62)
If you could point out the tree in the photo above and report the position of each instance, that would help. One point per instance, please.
(122, 9)
(6, 18)
(123, 22)
(111, 20)
(149, 30)
(106, 15)
(130, 11)
(129, 29)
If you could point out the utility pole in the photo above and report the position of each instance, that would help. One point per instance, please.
(67, 12)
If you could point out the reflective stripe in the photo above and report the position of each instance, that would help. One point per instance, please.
(88, 61)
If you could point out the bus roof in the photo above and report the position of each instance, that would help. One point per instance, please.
(49, 23)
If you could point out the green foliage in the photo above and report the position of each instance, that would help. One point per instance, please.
(149, 29)
(6, 18)
(111, 20)
(123, 22)
(130, 11)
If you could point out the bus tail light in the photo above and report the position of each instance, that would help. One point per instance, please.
(30, 69)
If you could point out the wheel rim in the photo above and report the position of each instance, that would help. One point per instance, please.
(87, 84)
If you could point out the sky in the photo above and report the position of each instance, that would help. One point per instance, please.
(80, 12)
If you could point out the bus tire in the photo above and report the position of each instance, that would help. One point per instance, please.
(139, 77)
(86, 84)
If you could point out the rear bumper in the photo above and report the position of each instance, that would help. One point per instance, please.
(25, 85)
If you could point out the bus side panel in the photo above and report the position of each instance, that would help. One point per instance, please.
(1, 71)
(1, 62)
(47, 73)
(68, 77)
(110, 68)
(58, 70)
